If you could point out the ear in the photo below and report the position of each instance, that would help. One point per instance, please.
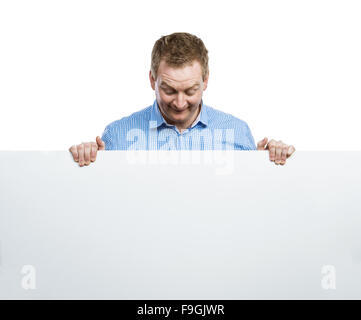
(205, 81)
(152, 80)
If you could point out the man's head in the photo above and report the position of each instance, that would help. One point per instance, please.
(179, 75)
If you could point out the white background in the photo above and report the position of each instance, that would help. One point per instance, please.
(290, 69)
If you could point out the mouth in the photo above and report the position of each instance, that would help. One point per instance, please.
(179, 111)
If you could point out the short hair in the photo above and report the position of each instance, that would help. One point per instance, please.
(179, 49)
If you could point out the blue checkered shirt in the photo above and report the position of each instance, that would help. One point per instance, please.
(148, 130)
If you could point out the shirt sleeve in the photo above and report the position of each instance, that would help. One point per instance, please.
(243, 137)
(250, 144)
(107, 138)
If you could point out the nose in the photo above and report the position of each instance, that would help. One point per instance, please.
(180, 101)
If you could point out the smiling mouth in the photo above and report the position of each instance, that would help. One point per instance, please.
(179, 111)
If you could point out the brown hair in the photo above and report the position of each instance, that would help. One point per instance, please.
(179, 49)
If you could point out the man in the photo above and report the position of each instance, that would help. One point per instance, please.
(178, 119)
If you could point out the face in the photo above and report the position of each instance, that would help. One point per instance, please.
(179, 92)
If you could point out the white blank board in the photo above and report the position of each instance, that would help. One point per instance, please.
(159, 226)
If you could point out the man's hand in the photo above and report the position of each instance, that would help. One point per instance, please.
(86, 152)
(278, 151)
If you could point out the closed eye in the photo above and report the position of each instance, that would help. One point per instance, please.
(191, 92)
(169, 92)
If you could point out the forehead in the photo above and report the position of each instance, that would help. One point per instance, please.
(180, 76)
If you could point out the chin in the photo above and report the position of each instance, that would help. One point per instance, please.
(180, 117)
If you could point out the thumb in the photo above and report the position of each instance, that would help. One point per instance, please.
(101, 144)
(261, 144)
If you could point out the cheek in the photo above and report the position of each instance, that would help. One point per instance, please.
(195, 99)
(165, 98)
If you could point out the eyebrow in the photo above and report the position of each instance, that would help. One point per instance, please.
(163, 83)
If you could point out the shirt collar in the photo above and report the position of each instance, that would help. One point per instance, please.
(157, 117)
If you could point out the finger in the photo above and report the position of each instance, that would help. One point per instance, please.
(284, 154)
(100, 142)
(291, 149)
(74, 153)
(80, 148)
(87, 148)
(261, 144)
(272, 149)
(93, 152)
(278, 152)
